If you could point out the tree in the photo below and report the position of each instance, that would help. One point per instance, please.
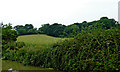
(32, 31)
(22, 31)
(103, 18)
(44, 28)
(55, 29)
(8, 35)
(28, 26)
(71, 30)
(19, 27)
(84, 22)
(52, 30)
(25, 30)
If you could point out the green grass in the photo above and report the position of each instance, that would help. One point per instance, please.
(7, 64)
(36, 42)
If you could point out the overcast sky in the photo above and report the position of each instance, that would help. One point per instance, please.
(37, 12)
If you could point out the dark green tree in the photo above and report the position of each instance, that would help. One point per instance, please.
(71, 30)
(43, 29)
(28, 26)
(19, 27)
(22, 32)
(8, 35)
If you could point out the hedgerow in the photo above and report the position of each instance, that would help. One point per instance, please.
(98, 50)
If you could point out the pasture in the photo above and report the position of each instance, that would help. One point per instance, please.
(36, 42)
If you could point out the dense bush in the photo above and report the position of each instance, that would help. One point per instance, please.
(37, 58)
(11, 48)
(88, 51)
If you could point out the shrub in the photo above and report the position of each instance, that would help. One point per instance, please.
(97, 50)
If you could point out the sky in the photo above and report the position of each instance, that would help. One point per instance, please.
(38, 12)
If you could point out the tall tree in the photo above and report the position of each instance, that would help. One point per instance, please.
(8, 35)
(28, 26)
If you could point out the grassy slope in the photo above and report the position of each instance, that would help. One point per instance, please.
(35, 42)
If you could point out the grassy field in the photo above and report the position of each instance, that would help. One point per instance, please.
(35, 42)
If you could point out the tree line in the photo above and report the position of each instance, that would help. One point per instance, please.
(60, 30)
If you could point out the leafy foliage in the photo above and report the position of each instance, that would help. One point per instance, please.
(25, 30)
(89, 51)
(9, 37)
(8, 34)
(55, 29)
(59, 30)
